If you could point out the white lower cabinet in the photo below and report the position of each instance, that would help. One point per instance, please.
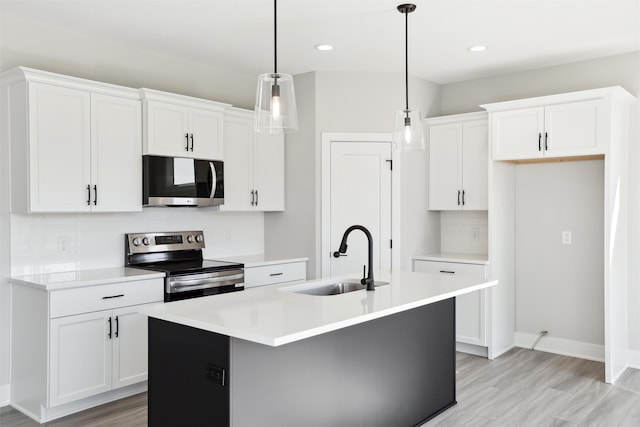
(271, 274)
(96, 352)
(78, 347)
(471, 307)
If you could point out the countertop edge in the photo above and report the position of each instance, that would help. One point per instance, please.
(37, 281)
(457, 258)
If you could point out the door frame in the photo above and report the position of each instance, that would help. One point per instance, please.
(325, 217)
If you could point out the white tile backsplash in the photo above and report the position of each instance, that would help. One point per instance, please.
(457, 232)
(97, 240)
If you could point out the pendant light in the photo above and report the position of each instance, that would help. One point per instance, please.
(275, 110)
(407, 133)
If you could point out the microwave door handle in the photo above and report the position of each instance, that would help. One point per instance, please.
(214, 179)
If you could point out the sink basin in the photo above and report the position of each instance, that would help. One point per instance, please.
(332, 288)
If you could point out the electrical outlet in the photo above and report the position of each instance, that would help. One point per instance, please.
(566, 237)
(63, 245)
(475, 233)
(227, 235)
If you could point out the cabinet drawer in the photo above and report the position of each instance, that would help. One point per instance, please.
(105, 297)
(275, 273)
(475, 270)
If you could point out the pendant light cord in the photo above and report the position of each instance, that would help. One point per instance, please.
(275, 37)
(406, 60)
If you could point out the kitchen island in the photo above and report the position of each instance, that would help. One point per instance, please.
(276, 356)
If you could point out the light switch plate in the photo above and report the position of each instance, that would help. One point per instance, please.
(566, 237)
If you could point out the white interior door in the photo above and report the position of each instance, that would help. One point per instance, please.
(360, 194)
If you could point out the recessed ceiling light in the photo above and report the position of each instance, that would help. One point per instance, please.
(323, 47)
(478, 48)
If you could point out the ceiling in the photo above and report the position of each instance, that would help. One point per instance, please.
(368, 35)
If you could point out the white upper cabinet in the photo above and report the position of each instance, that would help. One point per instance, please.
(253, 165)
(458, 162)
(75, 144)
(182, 126)
(567, 125)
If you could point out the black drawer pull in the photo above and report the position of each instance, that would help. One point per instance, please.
(539, 141)
(447, 271)
(186, 135)
(109, 334)
(117, 327)
(113, 296)
(275, 274)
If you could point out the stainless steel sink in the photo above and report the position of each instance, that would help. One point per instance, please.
(333, 288)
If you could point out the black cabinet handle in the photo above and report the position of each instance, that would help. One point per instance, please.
(253, 198)
(447, 271)
(275, 274)
(539, 141)
(89, 195)
(109, 334)
(458, 197)
(546, 139)
(191, 136)
(117, 326)
(95, 195)
(463, 202)
(113, 296)
(186, 148)
(257, 198)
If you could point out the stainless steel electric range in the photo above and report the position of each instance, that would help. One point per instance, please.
(179, 255)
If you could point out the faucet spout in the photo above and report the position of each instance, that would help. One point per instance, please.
(343, 249)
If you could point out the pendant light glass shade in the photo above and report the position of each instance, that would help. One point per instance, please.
(275, 110)
(407, 131)
(408, 134)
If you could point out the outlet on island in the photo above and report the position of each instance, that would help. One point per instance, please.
(215, 374)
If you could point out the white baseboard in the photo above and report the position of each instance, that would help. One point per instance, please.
(476, 350)
(5, 397)
(561, 346)
(633, 359)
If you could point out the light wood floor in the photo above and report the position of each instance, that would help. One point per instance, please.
(521, 388)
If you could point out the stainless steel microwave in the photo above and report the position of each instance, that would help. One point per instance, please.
(179, 181)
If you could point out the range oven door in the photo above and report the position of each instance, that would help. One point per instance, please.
(179, 181)
(179, 287)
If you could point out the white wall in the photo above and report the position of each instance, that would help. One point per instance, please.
(457, 232)
(559, 287)
(619, 70)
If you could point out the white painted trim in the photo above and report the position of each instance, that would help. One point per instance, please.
(476, 350)
(5, 390)
(325, 246)
(633, 359)
(561, 346)
(49, 414)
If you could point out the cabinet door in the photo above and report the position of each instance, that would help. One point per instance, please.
(475, 165)
(517, 134)
(238, 164)
(129, 346)
(116, 146)
(59, 150)
(80, 357)
(445, 143)
(206, 128)
(268, 171)
(574, 129)
(166, 130)
(470, 308)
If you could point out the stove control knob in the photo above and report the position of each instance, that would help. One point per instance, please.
(199, 238)
(146, 241)
(136, 241)
(190, 238)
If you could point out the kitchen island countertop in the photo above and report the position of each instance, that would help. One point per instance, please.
(274, 315)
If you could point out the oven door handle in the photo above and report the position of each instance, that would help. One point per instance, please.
(183, 285)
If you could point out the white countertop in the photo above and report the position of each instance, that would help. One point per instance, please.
(273, 316)
(454, 257)
(258, 260)
(80, 278)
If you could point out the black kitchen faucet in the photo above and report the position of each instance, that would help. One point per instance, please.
(368, 280)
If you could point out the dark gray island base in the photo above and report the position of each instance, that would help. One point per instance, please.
(397, 370)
